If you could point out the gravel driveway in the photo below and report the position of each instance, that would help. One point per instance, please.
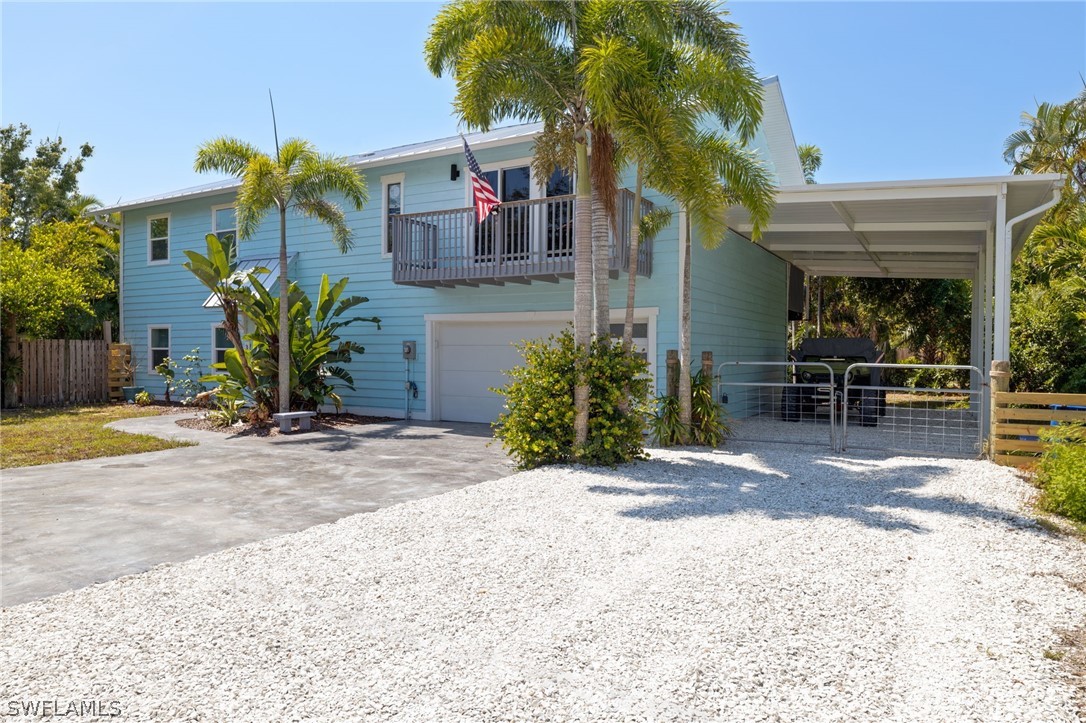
(758, 584)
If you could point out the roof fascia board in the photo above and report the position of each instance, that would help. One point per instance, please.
(231, 187)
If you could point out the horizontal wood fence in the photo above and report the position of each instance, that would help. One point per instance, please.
(1021, 418)
(63, 371)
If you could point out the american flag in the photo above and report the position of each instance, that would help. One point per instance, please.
(482, 195)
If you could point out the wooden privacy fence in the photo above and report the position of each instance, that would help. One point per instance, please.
(1021, 418)
(63, 371)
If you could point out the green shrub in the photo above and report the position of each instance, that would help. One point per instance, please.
(537, 427)
(227, 404)
(145, 399)
(1062, 472)
(707, 425)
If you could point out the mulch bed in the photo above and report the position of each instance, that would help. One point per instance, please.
(322, 422)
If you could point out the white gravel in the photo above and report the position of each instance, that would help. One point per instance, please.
(759, 584)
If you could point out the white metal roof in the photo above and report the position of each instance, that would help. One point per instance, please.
(264, 268)
(441, 146)
(901, 229)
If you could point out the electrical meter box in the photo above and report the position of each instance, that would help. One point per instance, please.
(409, 350)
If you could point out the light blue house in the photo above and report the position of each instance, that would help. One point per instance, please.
(463, 294)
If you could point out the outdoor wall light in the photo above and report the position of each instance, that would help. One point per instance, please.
(454, 172)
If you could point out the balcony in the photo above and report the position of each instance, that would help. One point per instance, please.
(524, 241)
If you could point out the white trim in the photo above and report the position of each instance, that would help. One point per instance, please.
(231, 185)
(535, 190)
(150, 349)
(120, 285)
(218, 207)
(432, 411)
(169, 232)
(215, 325)
(386, 181)
(992, 183)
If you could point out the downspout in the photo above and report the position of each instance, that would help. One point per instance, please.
(1028, 214)
(1003, 285)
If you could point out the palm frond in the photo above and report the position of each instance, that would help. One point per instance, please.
(262, 188)
(331, 215)
(318, 175)
(225, 155)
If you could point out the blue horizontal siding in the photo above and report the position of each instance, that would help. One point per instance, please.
(169, 295)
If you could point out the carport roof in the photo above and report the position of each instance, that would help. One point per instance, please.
(899, 229)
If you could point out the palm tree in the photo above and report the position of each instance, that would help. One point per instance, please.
(655, 86)
(810, 157)
(1053, 141)
(518, 59)
(297, 178)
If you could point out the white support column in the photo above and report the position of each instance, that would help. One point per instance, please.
(986, 257)
(976, 332)
(1002, 345)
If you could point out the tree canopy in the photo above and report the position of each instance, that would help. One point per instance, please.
(38, 187)
(48, 285)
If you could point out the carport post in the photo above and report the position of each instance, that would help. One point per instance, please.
(1002, 344)
(976, 333)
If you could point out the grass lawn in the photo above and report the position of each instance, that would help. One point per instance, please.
(65, 434)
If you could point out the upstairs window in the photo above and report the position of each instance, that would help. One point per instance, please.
(392, 206)
(224, 224)
(158, 239)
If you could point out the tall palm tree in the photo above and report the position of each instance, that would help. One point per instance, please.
(518, 59)
(810, 158)
(297, 178)
(1053, 141)
(655, 81)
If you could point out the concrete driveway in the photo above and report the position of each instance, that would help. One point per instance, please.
(70, 525)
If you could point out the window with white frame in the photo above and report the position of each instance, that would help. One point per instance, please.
(158, 238)
(220, 343)
(159, 344)
(391, 206)
(224, 224)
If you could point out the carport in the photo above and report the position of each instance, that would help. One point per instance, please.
(956, 228)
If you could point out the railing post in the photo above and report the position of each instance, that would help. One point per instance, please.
(707, 364)
(672, 372)
(1000, 377)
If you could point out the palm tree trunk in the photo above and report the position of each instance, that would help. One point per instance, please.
(601, 257)
(582, 292)
(635, 251)
(284, 315)
(686, 412)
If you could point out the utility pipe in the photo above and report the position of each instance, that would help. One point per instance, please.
(1003, 278)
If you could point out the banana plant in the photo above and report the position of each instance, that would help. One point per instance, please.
(220, 274)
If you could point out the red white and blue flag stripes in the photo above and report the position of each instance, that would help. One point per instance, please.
(482, 195)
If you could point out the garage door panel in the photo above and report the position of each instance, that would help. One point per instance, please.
(466, 358)
(472, 358)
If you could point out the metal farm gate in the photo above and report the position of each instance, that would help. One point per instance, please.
(809, 403)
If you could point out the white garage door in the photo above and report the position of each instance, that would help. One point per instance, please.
(471, 358)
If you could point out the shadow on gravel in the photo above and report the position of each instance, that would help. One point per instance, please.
(878, 493)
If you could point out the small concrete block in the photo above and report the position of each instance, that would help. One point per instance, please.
(286, 421)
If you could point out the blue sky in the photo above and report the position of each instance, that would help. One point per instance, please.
(888, 90)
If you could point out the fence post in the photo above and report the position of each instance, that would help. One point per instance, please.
(1000, 376)
(707, 364)
(673, 372)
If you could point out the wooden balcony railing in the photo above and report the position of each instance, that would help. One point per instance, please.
(524, 241)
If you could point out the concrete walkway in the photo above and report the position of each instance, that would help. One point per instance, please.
(70, 525)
